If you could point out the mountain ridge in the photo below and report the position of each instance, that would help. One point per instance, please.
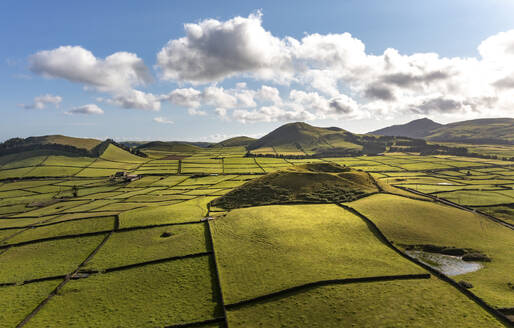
(476, 131)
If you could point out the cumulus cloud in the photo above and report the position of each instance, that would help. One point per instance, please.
(136, 99)
(271, 114)
(162, 120)
(323, 65)
(213, 50)
(119, 71)
(90, 109)
(377, 91)
(212, 96)
(270, 94)
(319, 75)
(116, 74)
(40, 102)
(196, 112)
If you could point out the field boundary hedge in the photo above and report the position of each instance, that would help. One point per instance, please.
(67, 278)
(463, 207)
(36, 225)
(87, 234)
(220, 290)
(140, 264)
(322, 283)
(373, 227)
(197, 323)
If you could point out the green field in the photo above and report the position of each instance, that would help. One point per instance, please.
(167, 293)
(143, 256)
(45, 259)
(412, 222)
(285, 246)
(416, 303)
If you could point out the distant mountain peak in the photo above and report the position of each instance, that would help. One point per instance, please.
(476, 131)
(419, 128)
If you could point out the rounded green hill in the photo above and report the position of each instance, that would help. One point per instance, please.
(309, 183)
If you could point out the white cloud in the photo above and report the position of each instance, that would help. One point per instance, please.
(213, 50)
(40, 102)
(119, 71)
(136, 99)
(324, 75)
(117, 74)
(212, 96)
(498, 48)
(90, 109)
(271, 114)
(189, 98)
(338, 77)
(270, 94)
(162, 120)
(221, 112)
(196, 112)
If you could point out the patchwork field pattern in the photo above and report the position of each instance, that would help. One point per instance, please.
(152, 252)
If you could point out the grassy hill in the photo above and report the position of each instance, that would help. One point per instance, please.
(482, 131)
(169, 146)
(235, 142)
(18, 149)
(79, 143)
(414, 129)
(302, 138)
(308, 183)
(479, 131)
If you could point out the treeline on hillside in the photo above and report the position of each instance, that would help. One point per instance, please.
(476, 141)
(372, 145)
(18, 145)
(424, 148)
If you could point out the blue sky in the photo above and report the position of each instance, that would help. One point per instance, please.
(343, 88)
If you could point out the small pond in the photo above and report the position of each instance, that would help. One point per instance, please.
(446, 264)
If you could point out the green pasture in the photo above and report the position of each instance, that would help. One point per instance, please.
(130, 247)
(477, 198)
(21, 300)
(190, 210)
(64, 229)
(158, 295)
(412, 222)
(45, 259)
(265, 249)
(410, 303)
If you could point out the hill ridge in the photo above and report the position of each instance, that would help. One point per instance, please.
(475, 131)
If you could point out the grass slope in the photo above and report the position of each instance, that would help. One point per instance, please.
(45, 259)
(114, 153)
(21, 300)
(235, 142)
(414, 303)
(155, 295)
(479, 131)
(321, 182)
(495, 130)
(412, 222)
(414, 129)
(171, 146)
(261, 250)
(301, 136)
(125, 248)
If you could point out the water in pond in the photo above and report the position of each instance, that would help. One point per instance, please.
(447, 264)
